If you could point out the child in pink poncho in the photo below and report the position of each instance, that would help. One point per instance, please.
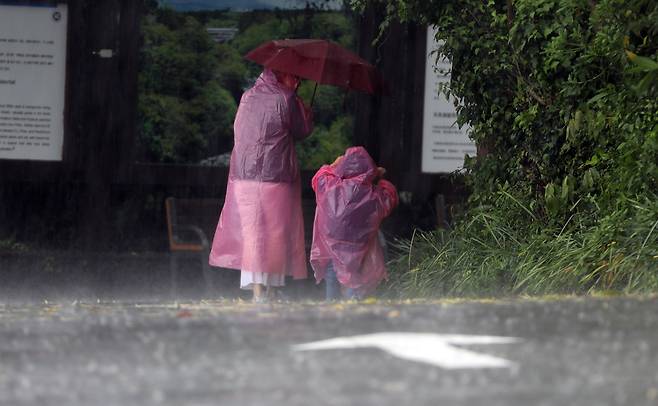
(352, 201)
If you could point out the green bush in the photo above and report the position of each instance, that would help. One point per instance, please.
(186, 112)
(505, 250)
(563, 96)
(189, 86)
(10, 245)
(168, 135)
(325, 144)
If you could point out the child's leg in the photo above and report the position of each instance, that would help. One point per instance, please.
(331, 283)
(350, 293)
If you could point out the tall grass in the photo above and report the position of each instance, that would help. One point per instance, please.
(488, 254)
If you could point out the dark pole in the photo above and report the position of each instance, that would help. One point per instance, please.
(314, 90)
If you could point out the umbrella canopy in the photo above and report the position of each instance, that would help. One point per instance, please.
(322, 61)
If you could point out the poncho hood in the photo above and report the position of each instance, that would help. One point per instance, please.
(356, 163)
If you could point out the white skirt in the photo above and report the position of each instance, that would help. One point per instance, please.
(248, 279)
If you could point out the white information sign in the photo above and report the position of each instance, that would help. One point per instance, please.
(32, 76)
(444, 143)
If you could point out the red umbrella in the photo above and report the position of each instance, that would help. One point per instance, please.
(319, 60)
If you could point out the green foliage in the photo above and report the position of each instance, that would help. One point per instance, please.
(168, 134)
(10, 245)
(325, 144)
(231, 71)
(505, 251)
(190, 86)
(256, 34)
(214, 110)
(333, 26)
(184, 111)
(327, 103)
(563, 96)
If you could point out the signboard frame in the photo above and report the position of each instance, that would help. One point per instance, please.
(444, 143)
(60, 115)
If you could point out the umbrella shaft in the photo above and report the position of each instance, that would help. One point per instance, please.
(314, 90)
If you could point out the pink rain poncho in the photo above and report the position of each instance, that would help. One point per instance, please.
(261, 228)
(350, 208)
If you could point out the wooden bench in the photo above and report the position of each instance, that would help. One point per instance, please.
(190, 227)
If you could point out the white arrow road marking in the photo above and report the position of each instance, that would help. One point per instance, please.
(434, 349)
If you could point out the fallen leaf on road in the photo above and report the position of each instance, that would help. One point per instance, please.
(184, 314)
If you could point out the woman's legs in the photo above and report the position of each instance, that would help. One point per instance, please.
(262, 284)
(263, 293)
(257, 291)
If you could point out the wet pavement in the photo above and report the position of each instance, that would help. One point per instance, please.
(568, 351)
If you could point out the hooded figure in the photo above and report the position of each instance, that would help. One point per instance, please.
(260, 229)
(350, 207)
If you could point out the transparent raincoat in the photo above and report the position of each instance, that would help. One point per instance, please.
(350, 208)
(261, 228)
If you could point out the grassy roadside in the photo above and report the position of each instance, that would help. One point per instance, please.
(501, 251)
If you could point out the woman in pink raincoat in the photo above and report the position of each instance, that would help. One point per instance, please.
(260, 229)
(351, 204)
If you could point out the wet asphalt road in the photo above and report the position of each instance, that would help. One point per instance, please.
(571, 352)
